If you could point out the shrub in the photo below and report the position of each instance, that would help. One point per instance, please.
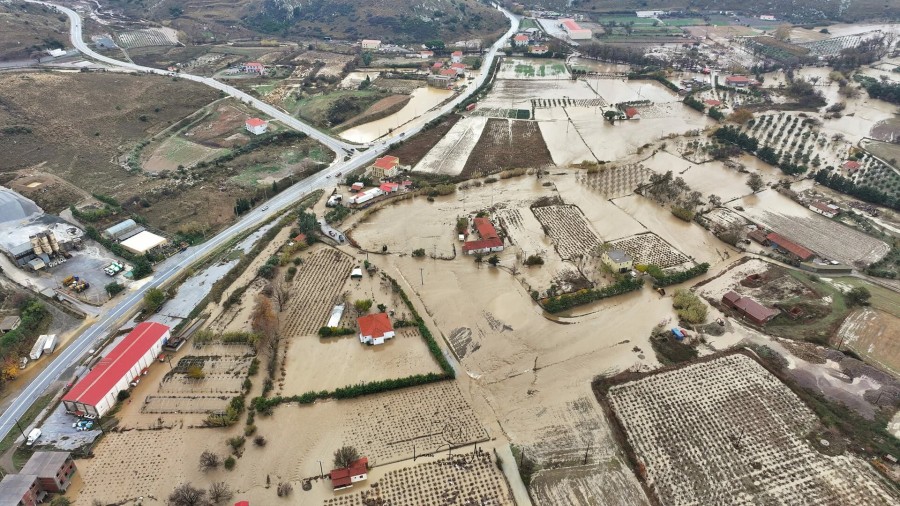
(209, 460)
(250, 429)
(113, 288)
(236, 442)
(689, 307)
(335, 331)
(570, 300)
(229, 463)
(534, 260)
(662, 279)
(259, 441)
(418, 253)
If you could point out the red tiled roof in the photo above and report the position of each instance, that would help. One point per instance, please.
(456, 53)
(790, 246)
(737, 79)
(113, 367)
(438, 65)
(448, 72)
(520, 38)
(374, 325)
(821, 206)
(389, 187)
(712, 102)
(458, 65)
(571, 24)
(750, 307)
(342, 477)
(255, 122)
(851, 164)
(387, 162)
(631, 112)
(485, 228)
(300, 238)
(253, 64)
(494, 242)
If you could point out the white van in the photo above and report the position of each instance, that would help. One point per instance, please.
(33, 436)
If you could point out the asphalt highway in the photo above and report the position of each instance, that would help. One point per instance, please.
(349, 157)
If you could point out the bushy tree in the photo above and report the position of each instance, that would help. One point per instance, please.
(344, 456)
(858, 296)
(153, 299)
(187, 495)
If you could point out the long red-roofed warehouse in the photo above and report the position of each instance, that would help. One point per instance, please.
(96, 393)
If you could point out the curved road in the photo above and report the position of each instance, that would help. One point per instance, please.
(110, 319)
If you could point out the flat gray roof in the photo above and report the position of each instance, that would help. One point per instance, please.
(618, 256)
(14, 486)
(45, 464)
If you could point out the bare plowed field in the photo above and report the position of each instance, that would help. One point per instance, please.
(827, 238)
(569, 230)
(727, 432)
(873, 334)
(316, 289)
(411, 152)
(450, 154)
(507, 144)
(467, 479)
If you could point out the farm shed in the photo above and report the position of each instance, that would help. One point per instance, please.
(789, 246)
(21, 489)
(759, 235)
(335, 319)
(9, 323)
(123, 230)
(826, 210)
(143, 242)
(618, 260)
(749, 308)
(54, 470)
(347, 476)
(375, 328)
(96, 393)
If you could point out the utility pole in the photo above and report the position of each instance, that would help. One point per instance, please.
(422, 275)
(20, 429)
(321, 471)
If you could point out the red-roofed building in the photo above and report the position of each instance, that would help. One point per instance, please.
(632, 113)
(448, 73)
(851, 166)
(749, 308)
(256, 126)
(253, 67)
(344, 478)
(301, 238)
(242, 503)
(389, 187)
(538, 49)
(459, 68)
(712, 102)
(490, 241)
(386, 166)
(520, 40)
(97, 392)
(426, 54)
(574, 31)
(785, 244)
(436, 68)
(826, 210)
(375, 328)
(737, 81)
(456, 56)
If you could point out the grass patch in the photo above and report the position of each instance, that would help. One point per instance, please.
(251, 175)
(527, 23)
(669, 351)
(321, 109)
(27, 418)
(882, 298)
(526, 70)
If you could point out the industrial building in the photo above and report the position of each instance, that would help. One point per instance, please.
(30, 238)
(97, 392)
(143, 242)
(574, 31)
(123, 230)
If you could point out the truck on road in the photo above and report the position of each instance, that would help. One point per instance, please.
(38, 349)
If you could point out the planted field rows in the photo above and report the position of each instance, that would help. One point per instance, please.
(316, 290)
(650, 249)
(569, 230)
(616, 181)
(426, 418)
(467, 479)
(148, 37)
(728, 432)
(507, 144)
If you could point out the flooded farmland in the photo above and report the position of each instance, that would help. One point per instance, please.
(422, 100)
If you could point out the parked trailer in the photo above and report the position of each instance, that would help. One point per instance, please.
(50, 344)
(38, 349)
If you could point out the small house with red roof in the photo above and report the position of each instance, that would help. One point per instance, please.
(459, 68)
(749, 308)
(738, 81)
(256, 126)
(375, 329)
(826, 210)
(388, 188)
(448, 73)
(712, 102)
(520, 40)
(253, 67)
(386, 166)
(538, 49)
(489, 242)
(456, 56)
(851, 166)
(437, 67)
(426, 54)
(632, 113)
(346, 477)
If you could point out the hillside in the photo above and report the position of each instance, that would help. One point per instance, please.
(400, 21)
(798, 11)
(28, 29)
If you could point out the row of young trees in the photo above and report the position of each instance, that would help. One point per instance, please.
(838, 182)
